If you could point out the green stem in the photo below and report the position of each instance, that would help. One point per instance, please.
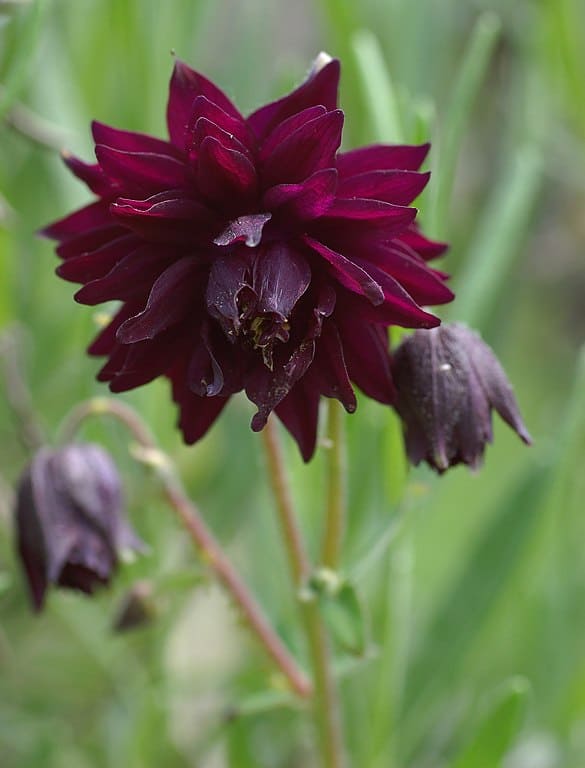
(325, 699)
(298, 560)
(336, 488)
(203, 539)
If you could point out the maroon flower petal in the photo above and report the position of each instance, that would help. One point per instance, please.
(320, 88)
(280, 277)
(365, 349)
(267, 388)
(299, 412)
(350, 275)
(92, 216)
(285, 130)
(141, 171)
(129, 141)
(78, 245)
(428, 249)
(310, 148)
(204, 128)
(91, 265)
(168, 303)
(330, 368)
(357, 208)
(131, 275)
(167, 218)
(358, 225)
(115, 362)
(186, 86)
(397, 187)
(90, 174)
(224, 174)
(307, 200)
(234, 126)
(398, 307)
(144, 362)
(381, 157)
(197, 414)
(204, 375)
(105, 342)
(229, 296)
(244, 229)
(426, 285)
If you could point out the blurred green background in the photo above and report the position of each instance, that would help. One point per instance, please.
(473, 585)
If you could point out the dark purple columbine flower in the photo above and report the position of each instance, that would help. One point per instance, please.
(448, 380)
(69, 520)
(249, 254)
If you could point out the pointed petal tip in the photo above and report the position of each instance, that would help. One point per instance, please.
(322, 60)
(523, 433)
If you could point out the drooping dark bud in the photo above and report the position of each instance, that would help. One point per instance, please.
(448, 380)
(70, 522)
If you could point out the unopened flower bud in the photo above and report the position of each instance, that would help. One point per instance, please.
(70, 523)
(448, 381)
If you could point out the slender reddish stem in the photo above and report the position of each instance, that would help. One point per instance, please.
(200, 534)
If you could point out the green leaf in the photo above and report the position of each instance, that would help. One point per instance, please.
(498, 727)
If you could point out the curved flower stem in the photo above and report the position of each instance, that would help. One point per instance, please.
(203, 539)
(325, 702)
(336, 489)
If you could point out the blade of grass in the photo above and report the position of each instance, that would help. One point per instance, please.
(473, 70)
(461, 615)
(497, 729)
(23, 58)
(383, 113)
(501, 230)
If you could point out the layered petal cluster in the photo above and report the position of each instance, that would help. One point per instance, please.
(250, 254)
(448, 381)
(70, 522)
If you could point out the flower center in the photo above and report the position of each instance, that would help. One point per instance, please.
(257, 328)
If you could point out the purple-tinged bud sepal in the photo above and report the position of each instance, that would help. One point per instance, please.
(448, 380)
(70, 522)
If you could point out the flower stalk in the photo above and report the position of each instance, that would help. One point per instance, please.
(203, 539)
(291, 535)
(335, 514)
(326, 707)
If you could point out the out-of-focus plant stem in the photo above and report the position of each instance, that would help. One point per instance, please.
(191, 519)
(298, 560)
(336, 488)
(326, 706)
